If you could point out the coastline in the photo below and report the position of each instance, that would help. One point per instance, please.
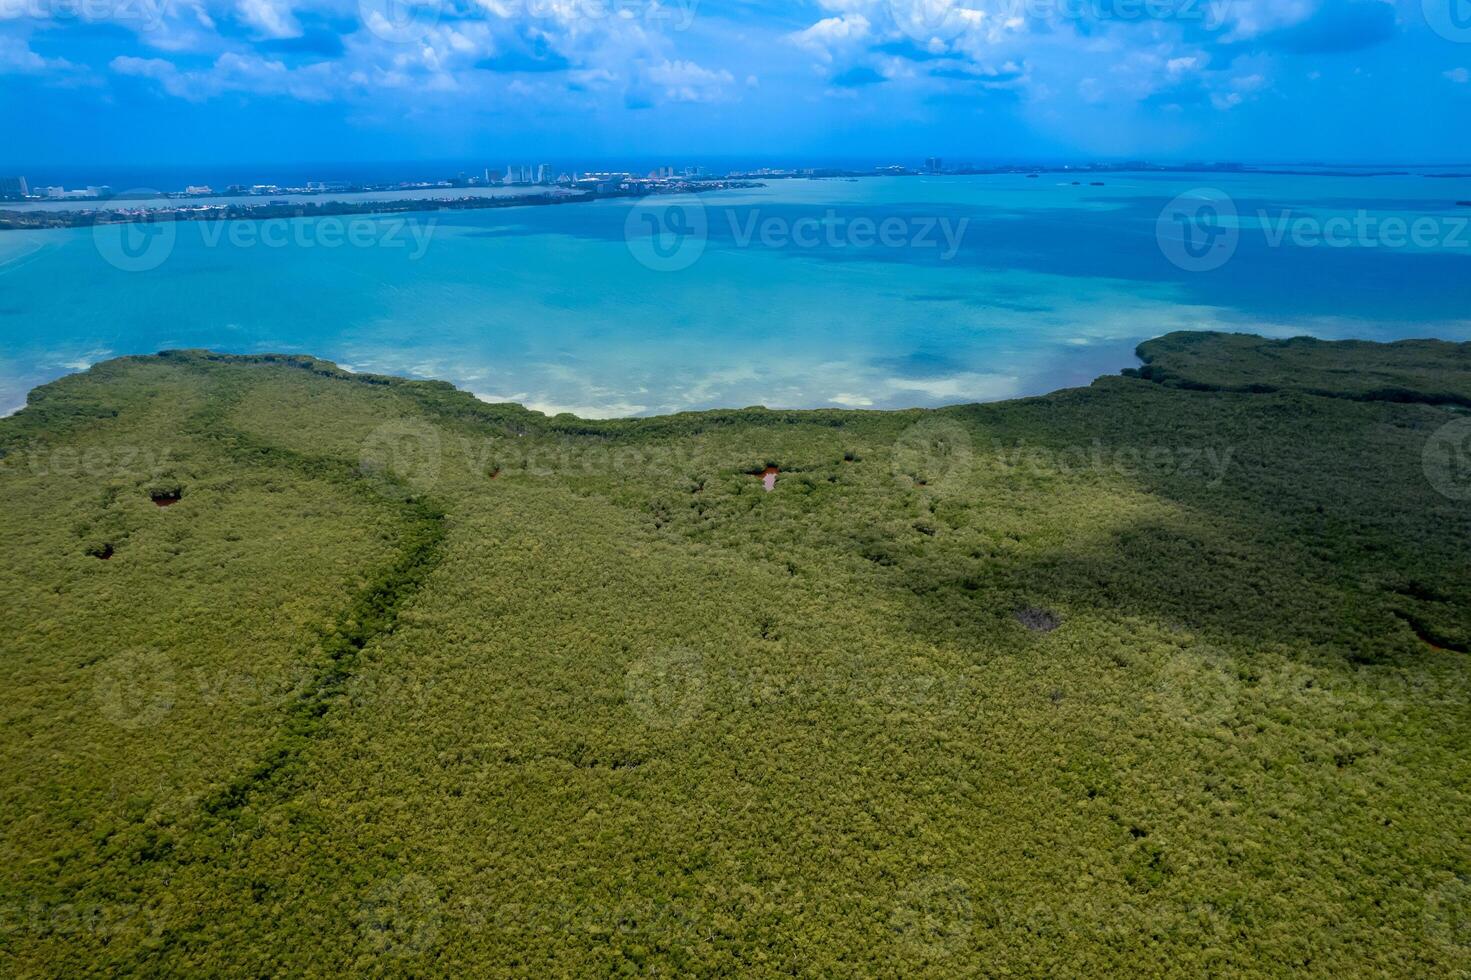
(1147, 367)
(49, 220)
(335, 370)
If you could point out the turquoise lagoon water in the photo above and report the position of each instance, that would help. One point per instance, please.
(1048, 285)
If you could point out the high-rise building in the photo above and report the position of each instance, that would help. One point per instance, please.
(543, 173)
(932, 165)
(13, 187)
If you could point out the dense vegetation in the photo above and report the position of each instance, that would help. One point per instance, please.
(311, 673)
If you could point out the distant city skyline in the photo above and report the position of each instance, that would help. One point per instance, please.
(174, 177)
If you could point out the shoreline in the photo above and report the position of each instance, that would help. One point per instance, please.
(57, 220)
(332, 370)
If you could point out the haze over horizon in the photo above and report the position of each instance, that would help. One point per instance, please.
(277, 81)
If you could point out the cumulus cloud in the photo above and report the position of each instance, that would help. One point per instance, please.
(272, 18)
(685, 81)
(17, 58)
(234, 73)
(833, 35)
(1043, 60)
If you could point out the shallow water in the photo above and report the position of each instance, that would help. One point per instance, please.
(1042, 285)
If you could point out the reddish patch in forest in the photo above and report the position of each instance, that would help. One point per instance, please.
(495, 472)
(104, 552)
(166, 498)
(768, 478)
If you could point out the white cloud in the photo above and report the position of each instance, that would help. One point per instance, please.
(685, 81)
(272, 18)
(832, 35)
(235, 73)
(17, 58)
(1459, 75)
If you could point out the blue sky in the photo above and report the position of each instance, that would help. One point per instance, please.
(210, 81)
